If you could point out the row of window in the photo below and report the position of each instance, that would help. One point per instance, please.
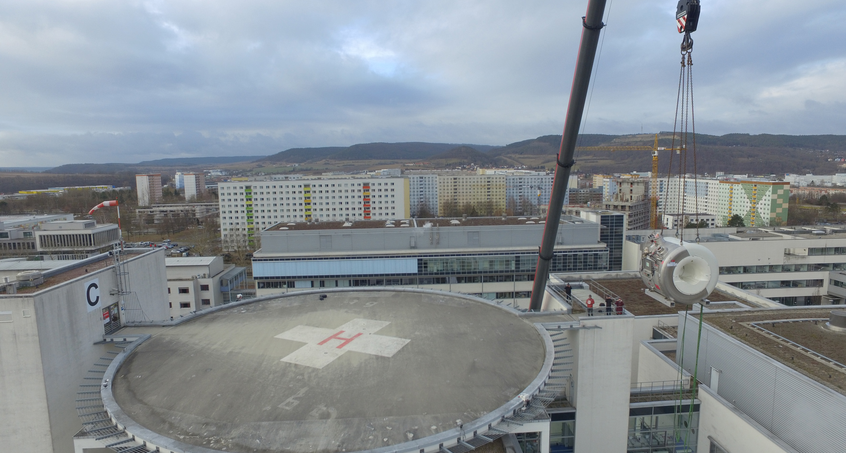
(17, 245)
(205, 302)
(300, 186)
(5, 234)
(390, 281)
(774, 284)
(187, 290)
(729, 270)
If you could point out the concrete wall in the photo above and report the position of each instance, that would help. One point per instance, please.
(24, 424)
(733, 429)
(49, 346)
(653, 366)
(148, 283)
(642, 330)
(603, 386)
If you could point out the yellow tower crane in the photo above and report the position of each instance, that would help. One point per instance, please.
(653, 187)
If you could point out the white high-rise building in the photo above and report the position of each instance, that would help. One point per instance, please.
(149, 189)
(758, 202)
(195, 185)
(423, 192)
(526, 193)
(179, 180)
(250, 206)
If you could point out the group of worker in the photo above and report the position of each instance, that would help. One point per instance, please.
(610, 305)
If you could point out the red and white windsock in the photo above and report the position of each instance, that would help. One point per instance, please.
(103, 205)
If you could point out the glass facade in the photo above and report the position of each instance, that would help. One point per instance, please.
(452, 268)
(730, 270)
(612, 234)
(660, 429)
(562, 432)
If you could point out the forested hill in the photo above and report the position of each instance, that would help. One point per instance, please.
(732, 153)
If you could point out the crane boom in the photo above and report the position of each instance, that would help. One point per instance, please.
(591, 25)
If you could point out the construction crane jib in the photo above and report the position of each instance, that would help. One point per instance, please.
(653, 183)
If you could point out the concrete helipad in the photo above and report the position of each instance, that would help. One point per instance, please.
(356, 371)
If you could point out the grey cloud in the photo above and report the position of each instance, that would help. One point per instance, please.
(113, 81)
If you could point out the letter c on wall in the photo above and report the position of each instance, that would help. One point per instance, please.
(92, 294)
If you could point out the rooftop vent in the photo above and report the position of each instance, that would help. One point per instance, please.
(837, 320)
(30, 278)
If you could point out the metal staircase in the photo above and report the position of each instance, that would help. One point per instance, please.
(558, 385)
(96, 423)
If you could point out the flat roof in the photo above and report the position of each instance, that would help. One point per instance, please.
(806, 328)
(631, 290)
(23, 264)
(190, 261)
(358, 370)
(419, 223)
(76, 269)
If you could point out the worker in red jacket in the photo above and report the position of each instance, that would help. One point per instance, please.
(589, 303)
(619, 305)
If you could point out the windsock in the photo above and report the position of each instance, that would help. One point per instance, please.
(103, 205)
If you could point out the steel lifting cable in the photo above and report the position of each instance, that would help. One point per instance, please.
(693, 129)
(673, 147)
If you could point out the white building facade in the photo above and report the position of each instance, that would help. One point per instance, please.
(423, 192)
(51, 335)
(250, 206)
(193, 283)
(195, 185)
(149, 189)
(760, 203)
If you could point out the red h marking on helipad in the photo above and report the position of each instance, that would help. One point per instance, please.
(316, 353)
(337, 337)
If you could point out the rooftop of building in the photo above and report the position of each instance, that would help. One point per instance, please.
(10, 221)
(352, 371)
(74, 269)
(796, 337)
(417, 223)
(725, 234)
(24, 264)
(636, 301)
(190, 261)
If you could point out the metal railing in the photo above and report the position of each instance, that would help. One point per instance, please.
(669, 390)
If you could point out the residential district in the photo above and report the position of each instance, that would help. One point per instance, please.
(389, 312)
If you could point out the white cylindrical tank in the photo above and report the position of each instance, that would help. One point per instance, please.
(685, 273)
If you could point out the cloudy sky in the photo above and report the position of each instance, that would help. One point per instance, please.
(125, 81)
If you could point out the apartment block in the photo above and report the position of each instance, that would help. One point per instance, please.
(250, 206)
(486, 193)
(759, 203)
(149, 189)
(195, 185)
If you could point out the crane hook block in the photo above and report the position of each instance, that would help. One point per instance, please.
(687, 15)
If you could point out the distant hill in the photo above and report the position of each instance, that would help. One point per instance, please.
(367, 151)
(464, 155)
(731, 153)
(194, 161)
(173, 163)
(92, 169)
